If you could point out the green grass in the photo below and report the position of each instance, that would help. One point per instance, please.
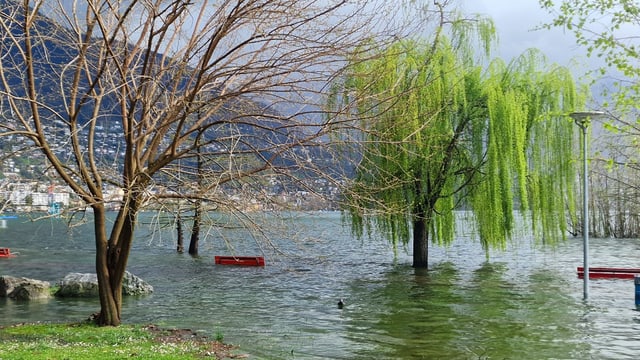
(87, 341)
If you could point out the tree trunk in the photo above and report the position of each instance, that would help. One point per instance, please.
(420, 242)
(195, 231)
(109, 313)
(420, 228)
(180, 248)
(111, 260)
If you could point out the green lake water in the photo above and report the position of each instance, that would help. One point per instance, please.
(525, 303)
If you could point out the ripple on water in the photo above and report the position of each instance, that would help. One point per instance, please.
(525, 303)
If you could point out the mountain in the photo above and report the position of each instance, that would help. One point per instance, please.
(54, 53)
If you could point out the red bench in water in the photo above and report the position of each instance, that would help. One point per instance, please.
(609, 273)
(5, 253)
(240, 260)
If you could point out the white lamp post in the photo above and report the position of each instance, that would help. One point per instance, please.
(582, 119)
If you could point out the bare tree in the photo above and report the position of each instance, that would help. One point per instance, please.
(101, 75)
(613, 177)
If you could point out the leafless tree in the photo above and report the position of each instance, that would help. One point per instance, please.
(613, 179)
(156, 80)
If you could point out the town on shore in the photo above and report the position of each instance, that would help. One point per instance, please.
(22, 196)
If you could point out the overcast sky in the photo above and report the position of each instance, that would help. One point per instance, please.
(516, 21)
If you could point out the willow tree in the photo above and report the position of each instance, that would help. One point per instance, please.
(112, 94)
(440, 133)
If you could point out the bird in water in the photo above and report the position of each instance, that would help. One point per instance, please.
(340, 304)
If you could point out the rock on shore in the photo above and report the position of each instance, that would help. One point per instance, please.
(21, 288)
(73, 285)
(86, 285)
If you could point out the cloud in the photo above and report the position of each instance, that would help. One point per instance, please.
(517, 23)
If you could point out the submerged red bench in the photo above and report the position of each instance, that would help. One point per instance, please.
(609, 273)
(240, 260)
(6, 253)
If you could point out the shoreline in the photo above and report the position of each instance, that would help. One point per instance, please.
(80, 340)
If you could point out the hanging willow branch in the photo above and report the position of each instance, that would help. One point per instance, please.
(443, 134)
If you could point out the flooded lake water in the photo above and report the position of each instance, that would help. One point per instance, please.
(525, 303)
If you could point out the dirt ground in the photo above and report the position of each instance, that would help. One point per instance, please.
(214, 348)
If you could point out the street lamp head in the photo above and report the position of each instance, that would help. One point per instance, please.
(582, 118)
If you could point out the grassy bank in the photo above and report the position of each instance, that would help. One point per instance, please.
(87, 341)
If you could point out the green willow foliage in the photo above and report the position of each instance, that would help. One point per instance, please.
(440, 133)
(607, 31)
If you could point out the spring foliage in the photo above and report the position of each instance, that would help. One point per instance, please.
(441, 132)
(607, 30)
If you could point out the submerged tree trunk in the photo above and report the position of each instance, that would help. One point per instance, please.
(180, 247)
(420, 243)
(420, 237)
(195, 231)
